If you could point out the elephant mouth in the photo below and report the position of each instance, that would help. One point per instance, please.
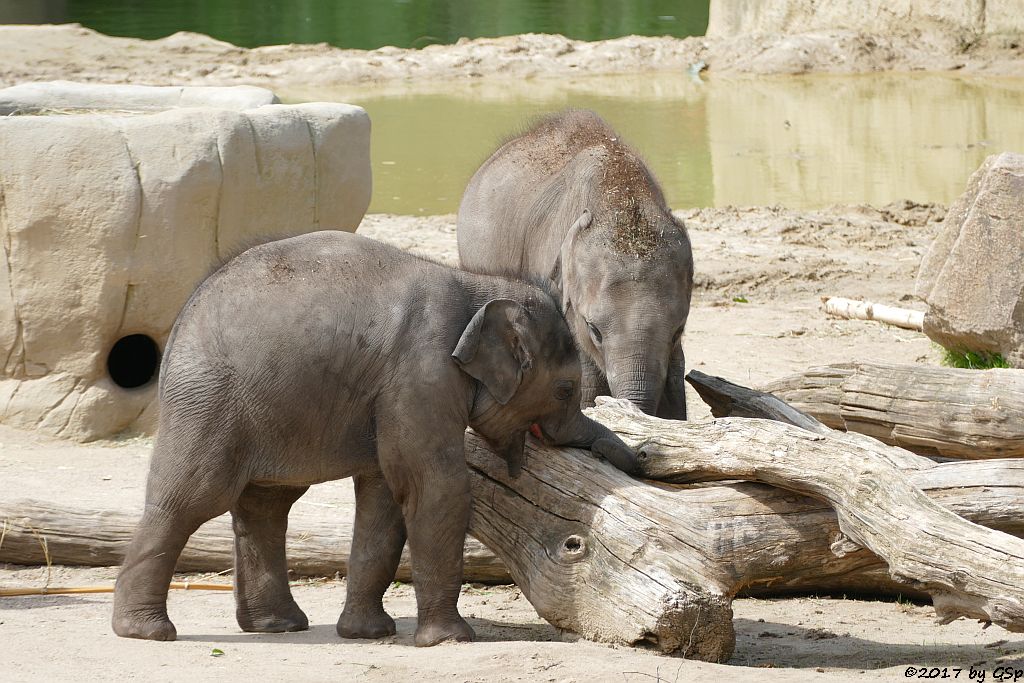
(536, 430)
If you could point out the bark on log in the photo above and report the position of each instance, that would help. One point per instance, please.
(973, 414)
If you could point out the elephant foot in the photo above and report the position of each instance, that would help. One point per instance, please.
(283, 620)
(365, 624)
(157, 627)
(434, 632)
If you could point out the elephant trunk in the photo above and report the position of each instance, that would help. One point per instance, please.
(580, 431)
(640, 379)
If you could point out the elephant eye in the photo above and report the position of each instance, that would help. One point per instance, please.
(563, 389)
(594, 332)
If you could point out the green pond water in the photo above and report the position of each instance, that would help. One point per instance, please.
(367, 25)
(801, 142)
(796, 141)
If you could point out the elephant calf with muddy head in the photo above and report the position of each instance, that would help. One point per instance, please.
(568, 201)
(328, 356)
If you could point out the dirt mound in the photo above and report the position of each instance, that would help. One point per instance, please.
(32, 53)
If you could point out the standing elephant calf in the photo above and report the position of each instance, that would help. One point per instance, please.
(569, 201)
(328, 356)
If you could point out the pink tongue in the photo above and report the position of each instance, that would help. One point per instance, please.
(535, 430)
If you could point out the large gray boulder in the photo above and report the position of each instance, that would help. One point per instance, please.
(973, 276)
(108, 222)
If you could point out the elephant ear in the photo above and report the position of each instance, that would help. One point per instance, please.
(563, 272)
(491, 349)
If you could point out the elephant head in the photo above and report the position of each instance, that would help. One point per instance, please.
(528, 379)
(625, 287)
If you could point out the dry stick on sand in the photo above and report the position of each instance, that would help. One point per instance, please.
(973, 414)
(865, 310)
(969, 570)
(68, 590)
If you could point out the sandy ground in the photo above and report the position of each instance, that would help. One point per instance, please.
(71, 52)
(781, 262)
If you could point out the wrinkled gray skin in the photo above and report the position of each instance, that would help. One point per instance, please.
(328, 356)
(569, 201)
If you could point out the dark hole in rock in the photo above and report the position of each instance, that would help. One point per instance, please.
(133, 361)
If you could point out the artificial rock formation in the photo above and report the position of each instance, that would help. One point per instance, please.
(964, 19)
(973, 276)
(108, 221)
(32, 98)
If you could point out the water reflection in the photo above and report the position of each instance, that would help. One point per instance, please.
(367, 25)
(812, 141)
(797, 141)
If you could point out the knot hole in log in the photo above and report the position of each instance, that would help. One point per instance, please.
(573, 548)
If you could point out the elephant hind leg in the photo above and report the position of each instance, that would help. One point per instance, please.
(183, 492)
(263, 600)
(140, 595)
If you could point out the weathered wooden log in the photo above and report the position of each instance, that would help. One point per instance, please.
(732, 400)
(617, 559)
(969, 570)
(795, 533)
(974, 414)
(950, 485)
(319, 542)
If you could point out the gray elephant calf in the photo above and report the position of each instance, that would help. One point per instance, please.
(569, 201)
(328, 356)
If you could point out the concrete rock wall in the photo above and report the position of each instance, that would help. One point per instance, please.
(966, 18)
(108, 222)
(28, 98)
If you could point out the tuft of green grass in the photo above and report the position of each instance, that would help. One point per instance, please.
(740, 300)
(972, 360)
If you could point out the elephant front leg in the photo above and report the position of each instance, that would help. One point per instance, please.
(263, 600)
(425, 467)
(594, 382)
(377, 541)
(437, 517)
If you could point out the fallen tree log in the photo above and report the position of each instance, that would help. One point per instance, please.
(621, 560)
(44, 532)
(974, 414)
(969, 570)
(733, 400)
(614, 559)
(990, 493)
